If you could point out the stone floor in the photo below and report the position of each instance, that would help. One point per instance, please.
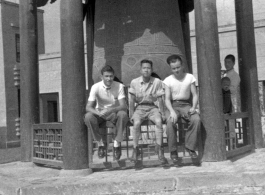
(242, 175)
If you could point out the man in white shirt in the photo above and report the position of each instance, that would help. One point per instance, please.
(235, 81)
(178, 88)
(106, 102)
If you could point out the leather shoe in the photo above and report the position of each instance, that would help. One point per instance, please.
(136, 154)
(174, 156)
(117, 153)
(192, 153)
(160, 152)
(101, 151)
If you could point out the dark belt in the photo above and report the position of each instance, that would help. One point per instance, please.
(146, 104)
(181, 101)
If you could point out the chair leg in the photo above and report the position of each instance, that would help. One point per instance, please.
(127, 140)
(90, 147)
(142, 154)
(142, 157)
(107, 145)
(148, 151)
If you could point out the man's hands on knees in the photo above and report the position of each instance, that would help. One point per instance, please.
(131, 120)
(104, 113)
(164, 118)
(192, 111)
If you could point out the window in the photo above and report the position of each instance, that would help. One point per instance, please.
(49, 108)
(52, 111)
(17, 39)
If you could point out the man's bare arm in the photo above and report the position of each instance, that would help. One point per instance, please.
(173, 115)
(90, 107)
(194, 98)
(122, 106)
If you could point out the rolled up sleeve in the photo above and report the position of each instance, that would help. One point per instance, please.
(160, 89)
(92, 94)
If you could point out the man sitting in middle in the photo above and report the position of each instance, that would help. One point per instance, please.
(144, 91)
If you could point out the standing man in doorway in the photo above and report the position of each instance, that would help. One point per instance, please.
(144, 91)
(106, 102)
(179, 86)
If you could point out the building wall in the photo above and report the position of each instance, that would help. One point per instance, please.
(10, 27)
(50, 76)
(51, 18)
(2, 92)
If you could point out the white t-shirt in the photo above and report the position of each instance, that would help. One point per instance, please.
(106, 98)
(180, 89)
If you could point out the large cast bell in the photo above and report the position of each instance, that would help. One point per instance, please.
(128, 31)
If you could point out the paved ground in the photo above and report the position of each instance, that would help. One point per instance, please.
(238, 176)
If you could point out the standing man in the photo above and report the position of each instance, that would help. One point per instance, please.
(235, 81)
(144, 91)
(106, 102)
(179, 87)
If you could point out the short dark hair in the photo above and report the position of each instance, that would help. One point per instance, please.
(147, 61)
(117, 80)
(231, 57)
(174, 58)
(153, 74)
(107, 68)
(225, 79)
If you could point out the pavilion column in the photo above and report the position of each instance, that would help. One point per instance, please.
(186, 35)
(29, 70)
(90, 41)
(209, 75)
(248, 68)
(75, 154)
(90, 60)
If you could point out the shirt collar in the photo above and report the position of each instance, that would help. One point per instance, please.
(151, 80)
(231, 70)
(105, 87)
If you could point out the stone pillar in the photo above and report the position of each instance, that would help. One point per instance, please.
(208, 59)
(29, 74)
(128, 31)
(248, 68)
(75, 154)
